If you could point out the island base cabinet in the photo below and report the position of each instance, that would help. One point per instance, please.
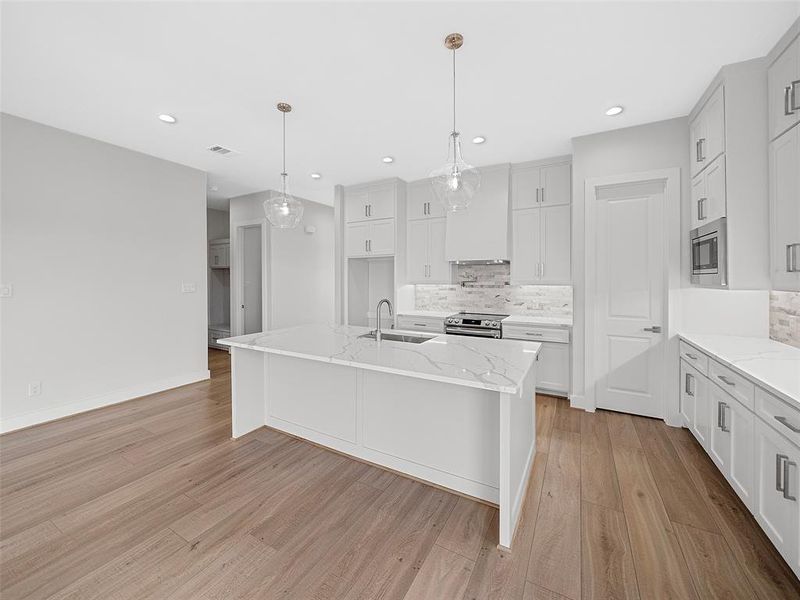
(777, 506)
(730, 442)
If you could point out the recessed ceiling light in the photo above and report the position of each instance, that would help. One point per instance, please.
(387, 159)
(168, 119)
(614, 111)
(478, 139)
(316, 176)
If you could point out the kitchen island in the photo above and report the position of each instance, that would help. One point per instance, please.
(455, 411)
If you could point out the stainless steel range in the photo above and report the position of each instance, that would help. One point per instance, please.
(475, 324)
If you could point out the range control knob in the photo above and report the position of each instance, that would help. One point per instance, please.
(494, 323)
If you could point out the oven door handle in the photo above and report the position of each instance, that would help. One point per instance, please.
(475, 332)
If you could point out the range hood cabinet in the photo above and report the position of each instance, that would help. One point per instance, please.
(481, 233)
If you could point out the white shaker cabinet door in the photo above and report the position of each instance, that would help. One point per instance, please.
(555, 245)
(525, 258)
(783, 81)
(698, 199)
(381, 237)
(688, 394)
(719, 438)
(556, 185)
(525, 186)
(356, 206)
(417, 252)
(552, 373)
(777, 507)
(356, 239)
(701, 422)
(741, 423)
(715, 204)
(438, 265)
(714, 114)
(380, 201)
(784, 197)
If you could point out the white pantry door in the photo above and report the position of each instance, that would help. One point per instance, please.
(629, 317)
(251, 294)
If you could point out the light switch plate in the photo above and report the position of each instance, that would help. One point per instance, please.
(188, 287)
(34, 388)
(6, 290)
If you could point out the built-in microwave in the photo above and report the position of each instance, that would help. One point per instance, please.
(710, 254)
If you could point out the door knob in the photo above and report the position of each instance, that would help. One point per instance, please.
(653, 329)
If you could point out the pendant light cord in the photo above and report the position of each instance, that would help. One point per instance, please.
(454, 107)
(283, 174)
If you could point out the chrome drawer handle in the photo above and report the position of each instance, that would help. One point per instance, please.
(793, 93)
(534, 334)
(782, 464)
(420, 324)
(721, 420)
(692, 356)
(785, 422)
(725, 380)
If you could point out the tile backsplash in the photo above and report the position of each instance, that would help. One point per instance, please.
(486, 288)
(784, 317)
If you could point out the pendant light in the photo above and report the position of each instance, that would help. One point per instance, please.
(284, 211)
(456, 182)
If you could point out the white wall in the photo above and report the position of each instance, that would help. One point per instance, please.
(300, 283)
(96, 241)
(649, 147)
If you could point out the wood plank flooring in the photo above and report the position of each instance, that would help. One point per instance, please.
(151, 499)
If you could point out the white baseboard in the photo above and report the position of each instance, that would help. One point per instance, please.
(115, 397)
(576, 401)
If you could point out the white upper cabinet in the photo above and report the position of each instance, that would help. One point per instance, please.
(370, 238)
(426, 262)
(784, 202)
(555, 245)
(376, 201)
(708, 194)
(541, 230)
(481, 232)
(556, 185)
(783, 80)
(707, 131)
(421, 201)
(526, 257)
(534, 184)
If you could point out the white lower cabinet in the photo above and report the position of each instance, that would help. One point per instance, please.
(552, 374)
(777, 507)
(748, 445)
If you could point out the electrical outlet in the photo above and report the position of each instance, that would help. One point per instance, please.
(34, 388)
(6, 290)
(188, 287)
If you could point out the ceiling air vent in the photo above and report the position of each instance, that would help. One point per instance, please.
(222, 150)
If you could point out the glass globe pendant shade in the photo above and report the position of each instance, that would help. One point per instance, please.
(456, 182)
(284, 211)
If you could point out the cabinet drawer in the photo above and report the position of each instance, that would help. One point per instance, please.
(777, 414)
(694, 357)
(733, 383)
(533, 333)
(420, 323)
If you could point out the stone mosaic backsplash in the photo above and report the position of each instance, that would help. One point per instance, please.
(784, 317)
(486, 288)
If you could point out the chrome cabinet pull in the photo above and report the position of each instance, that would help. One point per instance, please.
(534, 334)
(791, 258)
(793, 94)
(786, 423)
(786, 483)
(366, 246)
(724, 425)
(701, 206)
(702, 141)
(692, 356)
(779, 484)
(697, 151)
(688, 386)
(653, 329)
(786, 110)
(420, 325)
(537, 195)
(542, 195)
(725, 380)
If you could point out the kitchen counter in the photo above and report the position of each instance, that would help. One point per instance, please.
(457, 411)
(489, 364)
(771, 365)
(433, 314)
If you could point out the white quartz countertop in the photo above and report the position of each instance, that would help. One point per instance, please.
(433, 314)
(496, 365)
(771, 365)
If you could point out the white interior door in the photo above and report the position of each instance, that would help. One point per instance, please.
(251, 279)
(629, 311)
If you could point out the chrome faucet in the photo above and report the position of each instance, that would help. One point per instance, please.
(378, 315)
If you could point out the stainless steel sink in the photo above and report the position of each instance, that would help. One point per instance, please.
(399, 337)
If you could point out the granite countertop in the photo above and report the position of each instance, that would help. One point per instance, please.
(771, 365)
(495, 365)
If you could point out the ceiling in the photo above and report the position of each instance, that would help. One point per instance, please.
(365, 79)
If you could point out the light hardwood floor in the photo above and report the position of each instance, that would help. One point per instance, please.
(151, 499)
